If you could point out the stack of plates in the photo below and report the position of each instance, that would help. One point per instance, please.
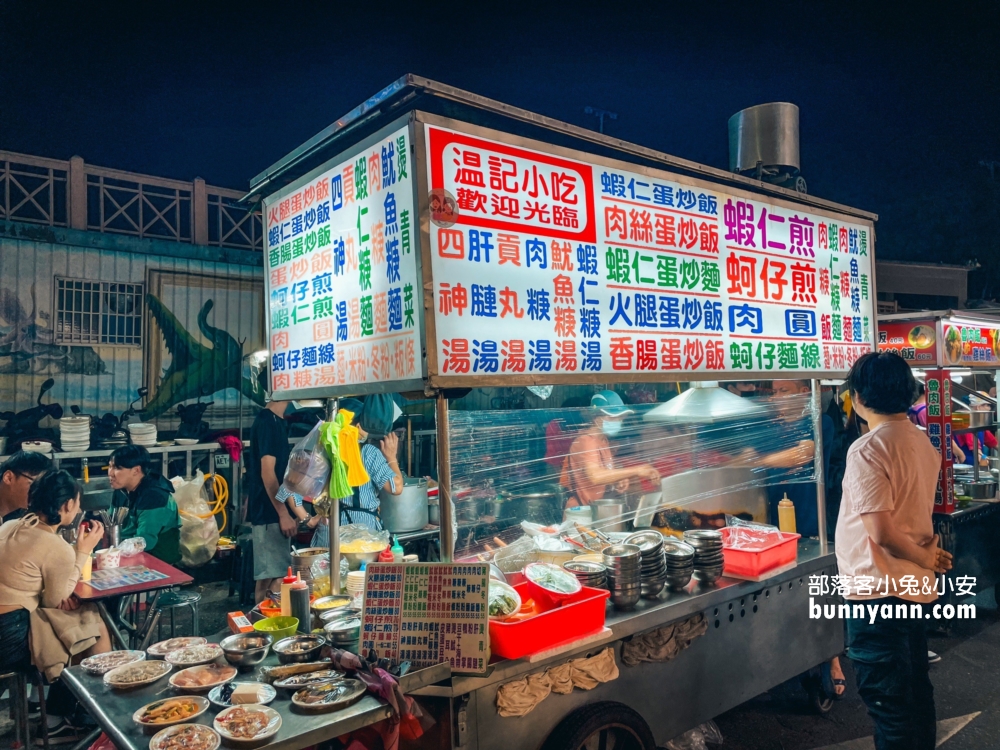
(588, 573)
(142, 433)
(74, 434)
(708, 561)
(653, 570)
(624, 581)
(680, 563)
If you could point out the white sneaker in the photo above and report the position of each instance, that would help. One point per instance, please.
(933, 658)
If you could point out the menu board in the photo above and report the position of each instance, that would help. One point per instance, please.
(428, 613)
(341, 273)
(548, 266)
(915, 340)
(969, 345)
(938, 384)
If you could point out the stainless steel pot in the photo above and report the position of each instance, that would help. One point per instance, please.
(609, 515)
(407, 511)
(980, 418)
(434, 510)
(984, 489)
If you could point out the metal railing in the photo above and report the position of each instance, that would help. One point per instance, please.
(77, 195)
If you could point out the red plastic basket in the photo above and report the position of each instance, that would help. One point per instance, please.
(581, 615)
(755, 562)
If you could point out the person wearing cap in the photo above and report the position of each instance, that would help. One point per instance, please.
(589, 469)
(373, 417)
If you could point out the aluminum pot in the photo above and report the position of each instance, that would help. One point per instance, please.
(434, 510)
(407, 511)
(609, 515)
(984, 489)
(980, 418)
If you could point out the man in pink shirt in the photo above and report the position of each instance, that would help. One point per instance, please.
(888, 551)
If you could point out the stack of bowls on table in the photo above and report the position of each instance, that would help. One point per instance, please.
(74, 434)
(708, 561)
(142, 433)
(653, 569)
(624, 581)
(344, 632)
(588, 573)
(680, 563)
(356, 584)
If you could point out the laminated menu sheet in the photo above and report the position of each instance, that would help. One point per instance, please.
(117, 578)
(428, 613)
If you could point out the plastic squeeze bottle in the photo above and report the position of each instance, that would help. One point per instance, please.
(299, 594)
(286, 598)
(386, 554)
(786, 515)
(397, 550)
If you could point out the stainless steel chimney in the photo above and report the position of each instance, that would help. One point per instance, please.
(764, 143)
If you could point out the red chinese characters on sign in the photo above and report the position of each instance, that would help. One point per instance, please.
(503, 187)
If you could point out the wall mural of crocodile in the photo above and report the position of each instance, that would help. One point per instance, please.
(195, 370)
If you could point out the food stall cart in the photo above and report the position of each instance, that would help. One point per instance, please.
(947, 350)
(432, 240)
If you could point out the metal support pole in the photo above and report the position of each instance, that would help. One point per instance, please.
(817, 410)
(447, 530)
(334, 519)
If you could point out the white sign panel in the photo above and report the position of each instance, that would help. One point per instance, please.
(544, 265)
(340, 264)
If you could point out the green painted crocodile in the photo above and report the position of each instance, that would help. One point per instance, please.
(195, 370)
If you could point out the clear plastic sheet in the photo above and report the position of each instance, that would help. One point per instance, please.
(508, 467)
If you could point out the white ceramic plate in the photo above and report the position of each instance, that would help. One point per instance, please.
(226, 673)
(206, 738)
(101, 664)
(269, 730)
(186, 441)
(163, 648)
(343, 693)
(201, 705)
(192, 656)
(265, 694)
(156, 670)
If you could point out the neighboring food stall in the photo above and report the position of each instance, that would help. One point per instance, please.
(433, 241)
(950, 350)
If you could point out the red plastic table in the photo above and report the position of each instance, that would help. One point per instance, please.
(87, 593)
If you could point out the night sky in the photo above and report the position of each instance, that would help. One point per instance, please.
(899, 104)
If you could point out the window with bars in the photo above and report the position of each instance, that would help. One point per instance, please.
(98, 313)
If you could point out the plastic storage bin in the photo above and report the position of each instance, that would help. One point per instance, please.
(581, 615)
(750, 563)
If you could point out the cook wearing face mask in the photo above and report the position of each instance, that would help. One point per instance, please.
(589, 471)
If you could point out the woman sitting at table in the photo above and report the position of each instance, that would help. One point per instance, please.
(40, 571)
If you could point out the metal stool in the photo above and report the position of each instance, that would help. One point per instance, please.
(173, 600)
(17, 686)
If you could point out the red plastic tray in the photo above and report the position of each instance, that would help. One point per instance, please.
(755, 562)
(582, 615)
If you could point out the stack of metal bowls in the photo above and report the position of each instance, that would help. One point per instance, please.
(680, 563)
(653, 570)
(624, 581)
(344, 632)
(591, 574)
(708, 560)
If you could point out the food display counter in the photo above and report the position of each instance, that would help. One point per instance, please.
(433, 241)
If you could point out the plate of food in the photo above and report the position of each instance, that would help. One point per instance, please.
(170, 711)
(296, 681)
(185, 737)
(247, 723)
(202, 679)
(101, 664)
(192, 656)
(136, 674)
(161, 649)
(258, 693)
(330, 695)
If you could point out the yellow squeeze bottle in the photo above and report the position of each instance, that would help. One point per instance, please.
(786, 515)
(88, 566)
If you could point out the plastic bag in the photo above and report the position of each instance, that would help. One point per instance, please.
(199, 530)
(308, 469)
(132, 546)
(748, 535)
(698, 738)
(364, 537)
(320, 572)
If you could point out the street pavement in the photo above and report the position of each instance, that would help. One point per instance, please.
(966, 691)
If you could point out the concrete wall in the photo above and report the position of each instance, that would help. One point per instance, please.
(920, 278)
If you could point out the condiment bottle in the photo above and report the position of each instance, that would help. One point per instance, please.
(298, 593)
(86, 471)
(786, 515)
(88, 567)
(386, 554)
(397, 550)
(286, 599)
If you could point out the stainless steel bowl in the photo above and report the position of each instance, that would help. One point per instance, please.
(338, 614)
(354, 559)
(299, 648)
(246, 650)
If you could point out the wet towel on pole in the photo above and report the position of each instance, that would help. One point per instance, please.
(663, 644)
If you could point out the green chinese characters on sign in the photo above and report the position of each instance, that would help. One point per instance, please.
(810, 356)
(367, 318)
(401, 156)
(404, 231)
(788, 356)
(408, 305)
(361, 179)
